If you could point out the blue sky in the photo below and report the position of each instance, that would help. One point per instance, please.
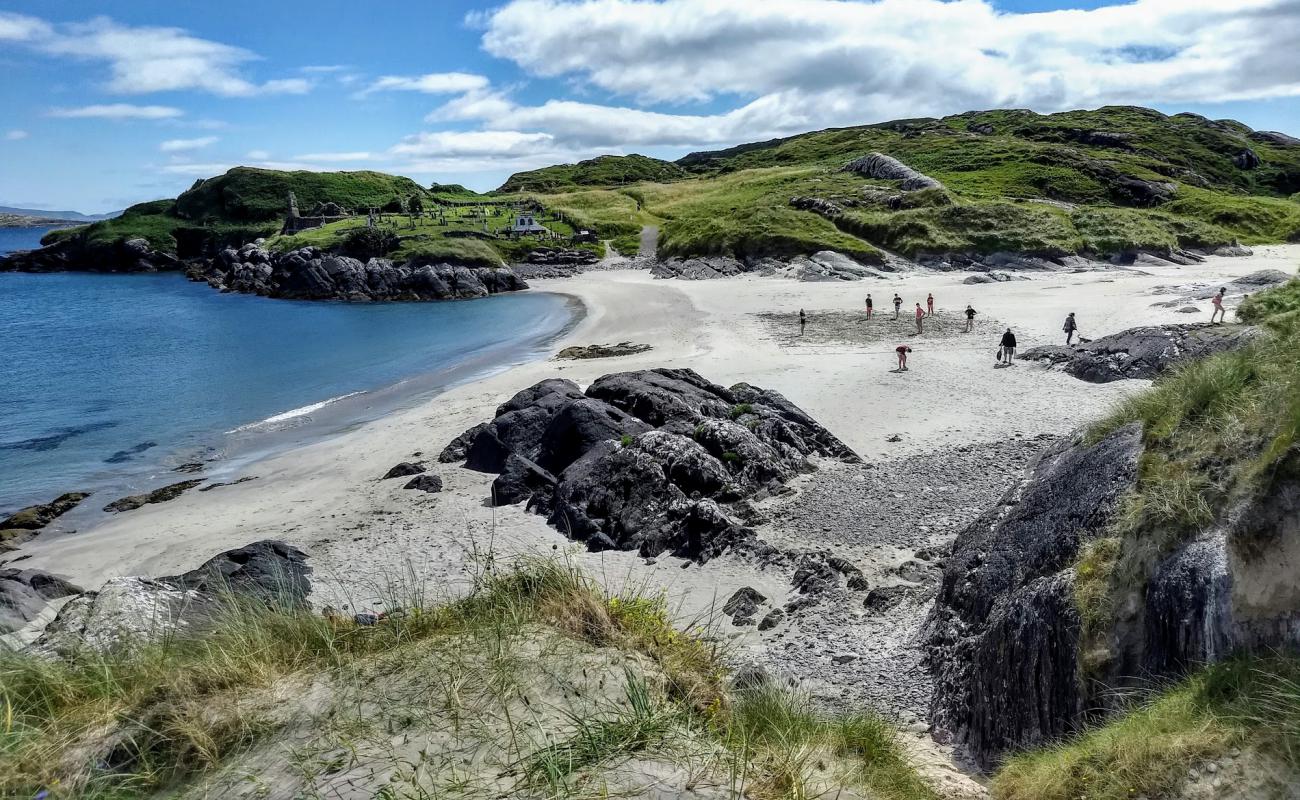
(104, 105)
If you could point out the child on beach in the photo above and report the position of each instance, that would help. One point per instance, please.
(803, 320)
(929, 304)
(902, 350)
(870, 306)
(970, 318)
(1219, 310)
(920, 315)
(898, 304)
(1070, 327)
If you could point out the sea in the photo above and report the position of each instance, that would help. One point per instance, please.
(108, 383)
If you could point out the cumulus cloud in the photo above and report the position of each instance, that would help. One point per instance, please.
(334, 158)
(433, 83)
(186, 145)
(815, 63)
(117, 111)
(15, 135)
(144, 59)
(258, 155)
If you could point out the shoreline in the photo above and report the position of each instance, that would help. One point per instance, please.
(309, 494)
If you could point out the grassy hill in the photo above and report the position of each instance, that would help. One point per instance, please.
(1102, 182)
(604, 171)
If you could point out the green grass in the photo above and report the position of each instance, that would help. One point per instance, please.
(1250, 703)
(603, 171)
(248, 194)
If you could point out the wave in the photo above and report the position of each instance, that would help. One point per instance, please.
(276, 421)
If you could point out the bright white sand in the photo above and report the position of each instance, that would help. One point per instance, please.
(361, 531)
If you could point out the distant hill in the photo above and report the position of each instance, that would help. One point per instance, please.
(604, 171)
(71, 216)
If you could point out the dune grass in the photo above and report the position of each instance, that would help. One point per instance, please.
(165, 716)
(1147, 751)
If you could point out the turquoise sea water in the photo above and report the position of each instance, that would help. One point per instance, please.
(110, 381)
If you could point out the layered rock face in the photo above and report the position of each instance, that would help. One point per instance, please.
(1141, 352)
(888, 168)
(1005, 637)
(1004, 631)
(657, 460)
(310, 273)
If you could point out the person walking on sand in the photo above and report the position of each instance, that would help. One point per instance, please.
(1008, 347)
(803, 321)
(871, 304)
(970, 318)
(902, 350)
(929, 305)
(1070, 327)
(1219, 310)
(898, 304)
(920, 315)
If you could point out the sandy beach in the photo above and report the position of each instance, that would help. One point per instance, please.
(941, 442)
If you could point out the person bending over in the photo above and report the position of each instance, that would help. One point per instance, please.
(1008, 347)
(902, 350)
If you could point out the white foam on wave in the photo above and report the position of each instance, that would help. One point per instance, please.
(277, 420)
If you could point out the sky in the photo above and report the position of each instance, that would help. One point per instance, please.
(107, 104)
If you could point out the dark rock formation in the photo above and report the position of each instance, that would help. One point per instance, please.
(743, 605)
(887, 168)
(555, 255)
(24, 594)
(1141, 352)
(70, 255)
(1004, 632)
(458, 447)
(268, 570)
(698, 269)
(602, 351)
(650, 460)
(1247, 159)
(162, 495)
(310, 273)
(1275, 138)
(403, 470)
(25, 523)
(425, 483)
(129, 611)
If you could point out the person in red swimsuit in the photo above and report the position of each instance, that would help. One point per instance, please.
(920, 315)
(1219, 310)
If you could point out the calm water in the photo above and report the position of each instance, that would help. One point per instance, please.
(109, 381)
(12, 239)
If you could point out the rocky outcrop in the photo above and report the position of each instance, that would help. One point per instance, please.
(161, 495)
(24, 593)
(425, 483)
(130, 610)
(1141, 352)
(70, 255)
(654, 461)
(26, 523)
(699, 269)
(403, 470)
(310, 273)
(1003, 636)
(602, 351)
(879, 166)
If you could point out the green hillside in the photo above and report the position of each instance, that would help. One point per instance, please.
(1104, 182)
(604, 171)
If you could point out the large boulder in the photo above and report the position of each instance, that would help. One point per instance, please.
(1141, 352)
(650, 460)
(24, 593)
(26, 523)
(882, 167)
(130, 610)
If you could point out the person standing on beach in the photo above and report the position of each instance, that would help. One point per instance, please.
(1219, 310)
(1008, 346)
(929, 305)
(870, 305)
(970, 318)
(803, 321)
(1069, 327)
(902, 350)
(920, 315)
(898, 304)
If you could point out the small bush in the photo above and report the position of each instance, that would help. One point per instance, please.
(367, 243)
(740, 410)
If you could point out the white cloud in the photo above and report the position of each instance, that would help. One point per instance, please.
(117, 111)
(258, 155)
(455, 144)
(336, 157)
(815, 63)
(433, 83)
(209, 169)
(186, 145)
(21, 28)
(144, 59)
(16, 135)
